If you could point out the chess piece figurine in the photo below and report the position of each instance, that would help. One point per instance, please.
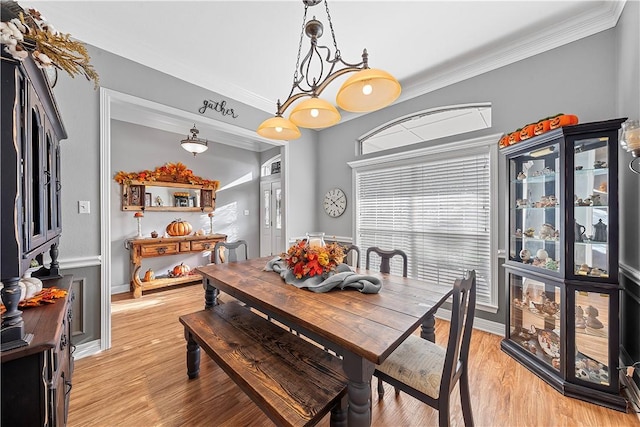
(592, 317)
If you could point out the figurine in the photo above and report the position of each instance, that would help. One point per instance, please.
(599, 164)
(547, 231)
(542, 254)
(529, 232)
(595, 200)
(592, 317)
(159, 201)
(518, 232)
(521, 176)
(522, 203)
(580, 323)
(525, 255)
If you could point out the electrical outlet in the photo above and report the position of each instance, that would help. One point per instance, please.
(84, 207)
(246, 212)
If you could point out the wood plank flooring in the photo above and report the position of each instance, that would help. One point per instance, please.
(142, 381)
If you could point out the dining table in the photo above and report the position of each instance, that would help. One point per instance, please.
(362, 328)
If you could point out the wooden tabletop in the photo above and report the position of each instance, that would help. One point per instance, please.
(370, 326)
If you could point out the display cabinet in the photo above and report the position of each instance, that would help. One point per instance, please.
(562, 263)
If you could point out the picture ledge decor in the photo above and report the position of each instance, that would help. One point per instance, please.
(170, 172)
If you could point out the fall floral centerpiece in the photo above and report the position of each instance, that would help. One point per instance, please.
(308, 260)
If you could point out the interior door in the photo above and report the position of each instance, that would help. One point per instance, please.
(271, 218)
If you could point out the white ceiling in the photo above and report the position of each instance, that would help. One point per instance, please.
(246, 50)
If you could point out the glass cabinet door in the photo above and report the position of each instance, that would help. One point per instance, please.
(595, 357)
(535, 313)
(535, 211)
(591, 180)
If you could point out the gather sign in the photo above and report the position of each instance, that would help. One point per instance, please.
(217, 106)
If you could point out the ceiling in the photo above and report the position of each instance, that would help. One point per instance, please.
(246, 50)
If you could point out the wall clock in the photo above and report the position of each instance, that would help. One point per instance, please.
(335, 202)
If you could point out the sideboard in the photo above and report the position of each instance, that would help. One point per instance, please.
(165, 246)
(36, 379)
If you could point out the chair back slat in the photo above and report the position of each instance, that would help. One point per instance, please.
(385, 257)
(462, 315)
(231, 249)
(352, 248)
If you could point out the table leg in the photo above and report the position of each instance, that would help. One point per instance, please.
(428, 330)
(359, 371)
(193, 355)
(210, 294)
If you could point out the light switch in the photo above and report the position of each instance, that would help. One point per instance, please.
(246, 212)
(83, 207)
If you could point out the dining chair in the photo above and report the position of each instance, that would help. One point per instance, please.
(428, 371)
(352, 248)
(219, 255)
(385, 257)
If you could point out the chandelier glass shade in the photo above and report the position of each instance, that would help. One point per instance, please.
(367, 90)
(193, 144)
(279, 128)
(314, 113)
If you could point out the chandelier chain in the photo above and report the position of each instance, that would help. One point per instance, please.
(304, 22)
(333, 33)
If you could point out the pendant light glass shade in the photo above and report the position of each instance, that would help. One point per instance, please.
(279, 128)
(314, 113)
(195, 147)
(368, 90)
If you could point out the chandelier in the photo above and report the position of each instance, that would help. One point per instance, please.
(369, 89)
(193, 144)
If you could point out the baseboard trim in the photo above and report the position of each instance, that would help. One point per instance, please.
(87, 349)
(479, 323)
(120, 289)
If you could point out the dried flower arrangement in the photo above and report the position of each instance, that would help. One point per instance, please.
(30, 32)
(170, 172)
(308, 261)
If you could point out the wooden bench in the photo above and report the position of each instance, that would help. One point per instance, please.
(293, 381)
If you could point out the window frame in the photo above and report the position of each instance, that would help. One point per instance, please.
(484, 144)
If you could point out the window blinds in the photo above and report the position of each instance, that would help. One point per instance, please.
(437, 211)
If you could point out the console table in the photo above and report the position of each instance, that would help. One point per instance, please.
(164, 246)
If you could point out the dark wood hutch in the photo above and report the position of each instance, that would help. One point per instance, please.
(37, 360)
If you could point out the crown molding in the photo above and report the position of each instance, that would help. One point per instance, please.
(570, 30)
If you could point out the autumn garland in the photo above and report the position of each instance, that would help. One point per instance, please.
(170, 172)
(309, 261)
(30, 32)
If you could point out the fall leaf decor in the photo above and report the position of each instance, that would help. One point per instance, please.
(28, 32)
(170, 172)
(308, 261)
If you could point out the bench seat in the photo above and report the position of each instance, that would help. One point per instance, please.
(293, 381)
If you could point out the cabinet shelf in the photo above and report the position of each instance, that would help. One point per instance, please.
(540, 179)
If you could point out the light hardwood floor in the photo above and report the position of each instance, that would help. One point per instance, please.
(142, 381)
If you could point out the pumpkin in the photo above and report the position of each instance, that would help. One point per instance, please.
(148, 276)
(526, 132)
(514, 137)
(504, 141)
(541, 127)
(179, 227)
(181, 270)
(563, 120)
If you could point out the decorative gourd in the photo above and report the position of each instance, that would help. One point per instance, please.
(179, 227)
(541, 127)
(181, 270)
(526, 132)
(514, 137)
(33, 286)
(148, 276)
(562, 120)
